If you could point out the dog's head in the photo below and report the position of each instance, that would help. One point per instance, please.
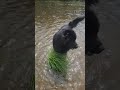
(69, 38)
(64, 40)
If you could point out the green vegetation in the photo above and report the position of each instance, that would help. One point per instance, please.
(57, 62)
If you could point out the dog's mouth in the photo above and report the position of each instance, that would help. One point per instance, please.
(75, 45)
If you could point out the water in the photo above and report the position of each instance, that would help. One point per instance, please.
(102, 72)
(49, 17)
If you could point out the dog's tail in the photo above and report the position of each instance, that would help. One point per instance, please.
(74, 23)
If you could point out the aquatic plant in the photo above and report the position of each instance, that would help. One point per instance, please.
(57, 61)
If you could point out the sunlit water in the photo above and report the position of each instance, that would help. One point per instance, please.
(49, 17)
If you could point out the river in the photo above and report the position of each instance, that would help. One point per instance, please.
(49, 17)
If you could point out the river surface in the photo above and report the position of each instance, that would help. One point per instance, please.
(49, 17)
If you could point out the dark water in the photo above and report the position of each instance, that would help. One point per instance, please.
(102, 72)
(16, 44)
(49, 17)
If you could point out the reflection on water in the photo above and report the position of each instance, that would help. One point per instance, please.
(50, 16)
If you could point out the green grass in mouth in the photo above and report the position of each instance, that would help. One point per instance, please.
(57, 61)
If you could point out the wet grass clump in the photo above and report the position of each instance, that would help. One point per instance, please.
(57, 61)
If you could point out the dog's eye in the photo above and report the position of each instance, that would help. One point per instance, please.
(66, 34)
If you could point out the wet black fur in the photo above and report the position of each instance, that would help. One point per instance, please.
(65, 38)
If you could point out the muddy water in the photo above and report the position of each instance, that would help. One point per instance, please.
(49, 17)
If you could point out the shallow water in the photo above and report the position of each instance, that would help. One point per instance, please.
(49, 17)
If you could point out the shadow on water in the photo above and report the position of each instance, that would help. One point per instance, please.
(50, 16)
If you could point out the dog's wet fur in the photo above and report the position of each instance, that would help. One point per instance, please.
(65, 38)
(93, 44)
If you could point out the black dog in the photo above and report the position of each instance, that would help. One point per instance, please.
(64, 39)
(92, 43)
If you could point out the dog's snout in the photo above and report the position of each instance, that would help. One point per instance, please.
(75, 45)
